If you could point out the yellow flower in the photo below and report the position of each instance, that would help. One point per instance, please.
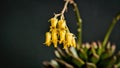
(69, 39)
(62, 36)
(48, 39)
(73, 42)
(54, 37)
(61, 24)
(59, 30)
(54, 22)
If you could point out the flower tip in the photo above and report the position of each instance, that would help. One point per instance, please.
(55, 46)
(47, 44)
(48, 39)
(65, 47)
(60, 42)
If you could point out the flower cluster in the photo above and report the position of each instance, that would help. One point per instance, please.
(59, 33)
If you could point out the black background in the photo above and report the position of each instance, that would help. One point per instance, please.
(24, 23)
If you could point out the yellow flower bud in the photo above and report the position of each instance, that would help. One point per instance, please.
(48, 39)
(54, 22)
(54, 37)
(69, 39)
(62, 36)
(61, 24)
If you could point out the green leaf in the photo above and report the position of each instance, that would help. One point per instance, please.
(77, 61)
(95, 57)
(82, 54)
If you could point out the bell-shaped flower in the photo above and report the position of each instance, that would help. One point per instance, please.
(62, 36)
(54, 22)
(48, 39)
(54, 37)
(73, 42)
(62, 24)
(69, 39)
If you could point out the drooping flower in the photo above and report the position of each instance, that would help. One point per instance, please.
(54, 37)
(62, 24)
(48, 39)
(73, 42)
(69, 39)
(53, 22)
(62, 36)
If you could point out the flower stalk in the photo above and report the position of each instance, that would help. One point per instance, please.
(115, 20)
(79, 24)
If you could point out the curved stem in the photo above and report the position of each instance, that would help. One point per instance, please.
(65, 7)
(115, 20)
(79, 23)
(63, 10)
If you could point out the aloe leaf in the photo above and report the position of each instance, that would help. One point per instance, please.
(77, 61)
(82, 54)
(95, 56)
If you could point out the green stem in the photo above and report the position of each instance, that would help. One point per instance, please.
(115, 20)
(79, 23)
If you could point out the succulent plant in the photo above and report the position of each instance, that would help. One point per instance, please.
(90, 55)
(76, 54)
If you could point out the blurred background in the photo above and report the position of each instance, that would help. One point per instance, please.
(24, 23)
